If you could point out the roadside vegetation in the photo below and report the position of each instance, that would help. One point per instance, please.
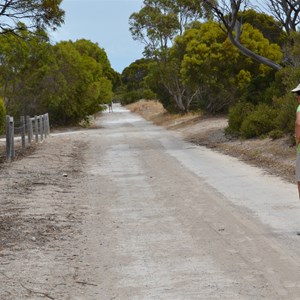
(71, 80)
(219, 57)
(213, 57)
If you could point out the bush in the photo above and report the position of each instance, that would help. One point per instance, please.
(276, 134)
(149, 95)
(260, 122)
(237, 115)
(131, 97)
(2, 117)
(286, 113)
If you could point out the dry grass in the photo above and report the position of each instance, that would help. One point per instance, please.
(152, 110)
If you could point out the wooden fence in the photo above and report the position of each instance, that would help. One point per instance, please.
(32, 128)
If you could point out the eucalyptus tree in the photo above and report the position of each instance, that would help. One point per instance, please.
(286, 12)
(213, 64)
(227, 12)
(156, 25)
(160, 21)
(83, 85)
(36, 14)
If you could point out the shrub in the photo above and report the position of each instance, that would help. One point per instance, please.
(286, 113)
(130, 97)
(260, 122)
(2, 117)
(149, 95)
(237, 115)
(276, 134)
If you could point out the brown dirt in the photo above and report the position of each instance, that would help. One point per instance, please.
(277, 157)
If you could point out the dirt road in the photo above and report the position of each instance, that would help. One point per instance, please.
(129, 211)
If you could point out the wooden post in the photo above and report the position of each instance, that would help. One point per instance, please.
(45, 126)
(36, 129)
(42, 127)
(7, 129)
(12, 137)
(23, 131)
(29, 129)
(10, 148)
(48, 123)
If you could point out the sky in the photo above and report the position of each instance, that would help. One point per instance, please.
(104, 22)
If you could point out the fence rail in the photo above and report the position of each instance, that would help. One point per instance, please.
(35, 128)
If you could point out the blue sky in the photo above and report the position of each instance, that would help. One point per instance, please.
(104, 22)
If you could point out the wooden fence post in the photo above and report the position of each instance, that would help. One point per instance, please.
(23, 131)
(36, 129)
(10, 148)
(45, 125)
(42, 127)
(7, 129)
(28, 126)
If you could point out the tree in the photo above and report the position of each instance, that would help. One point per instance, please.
(134, 86)
(227, 12)
(93, 50)
(213, 64)
(286, 12)
(159, 21)
(23, 64)
(83, 86)
(133, 76)
(156, 25)
(36, 14)
(269, 27)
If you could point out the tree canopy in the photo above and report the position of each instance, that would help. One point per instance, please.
(35, 14)
(224, 55)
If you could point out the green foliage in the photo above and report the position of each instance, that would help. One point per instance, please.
(259, 122)
(35, 14)
(237, 115)
(276, 134)
(258, 89)
(266, 24)
(159, 21)
(133, 77)
(131, 97)
(83, 86)
(70, 80)
(278, 99)
(148, 94)
(135, 85)
(286, 113)
(2, 117)
(25, 64)
(222, 73)
(155, 83)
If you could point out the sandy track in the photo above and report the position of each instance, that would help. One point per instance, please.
(129, 211)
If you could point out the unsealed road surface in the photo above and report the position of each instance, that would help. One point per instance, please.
(130, 211)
